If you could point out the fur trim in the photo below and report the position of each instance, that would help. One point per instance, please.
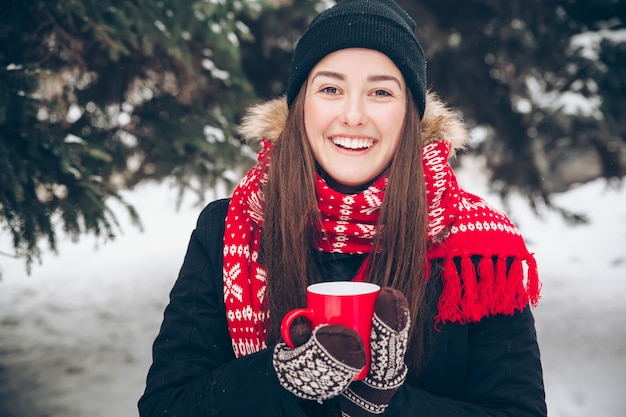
(441, 122)
(267, 120)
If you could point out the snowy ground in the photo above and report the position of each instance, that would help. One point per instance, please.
(75, 336)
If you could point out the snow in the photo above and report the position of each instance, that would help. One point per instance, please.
(589, 44)
(76, 335)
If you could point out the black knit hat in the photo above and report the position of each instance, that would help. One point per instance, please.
(380, 25)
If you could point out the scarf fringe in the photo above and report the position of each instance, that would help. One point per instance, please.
(471, 292)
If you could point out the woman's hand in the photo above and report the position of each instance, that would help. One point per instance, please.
(323, 366)
(390, 329)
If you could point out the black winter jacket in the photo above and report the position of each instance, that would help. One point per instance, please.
(489, 368)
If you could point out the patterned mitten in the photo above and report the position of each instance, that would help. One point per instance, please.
(390, 330)
(322, 367)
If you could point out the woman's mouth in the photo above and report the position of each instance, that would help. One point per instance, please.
(356, 144)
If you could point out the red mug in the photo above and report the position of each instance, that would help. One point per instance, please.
(339, 302)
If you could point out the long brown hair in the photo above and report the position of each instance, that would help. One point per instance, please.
(292, 216)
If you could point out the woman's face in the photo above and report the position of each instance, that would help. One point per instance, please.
(353, 114)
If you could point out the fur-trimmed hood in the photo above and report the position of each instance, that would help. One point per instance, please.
(267, 121)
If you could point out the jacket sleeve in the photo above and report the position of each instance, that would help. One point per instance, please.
(194, 370)
(503, 375)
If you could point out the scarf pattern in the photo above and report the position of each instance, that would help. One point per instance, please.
(244, 277)
(349, 220)
(461, 226)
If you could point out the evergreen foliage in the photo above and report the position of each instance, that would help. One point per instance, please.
(542, 77)
(98, 96)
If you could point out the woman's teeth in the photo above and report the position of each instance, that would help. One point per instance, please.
(353, 143)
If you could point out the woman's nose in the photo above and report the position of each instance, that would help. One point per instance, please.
(354, 113)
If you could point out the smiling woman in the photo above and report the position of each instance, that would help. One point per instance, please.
(353, 184)
(354, 115)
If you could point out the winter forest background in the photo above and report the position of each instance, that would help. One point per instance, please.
(117, 122)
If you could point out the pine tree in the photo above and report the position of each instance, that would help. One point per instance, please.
(542, 78)
(97, 96)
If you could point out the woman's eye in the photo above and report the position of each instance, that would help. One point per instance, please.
(329, 90)
(383, 93)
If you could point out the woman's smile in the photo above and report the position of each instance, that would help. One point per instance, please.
(353, 143)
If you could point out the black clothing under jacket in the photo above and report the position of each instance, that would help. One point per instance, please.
(489, 368)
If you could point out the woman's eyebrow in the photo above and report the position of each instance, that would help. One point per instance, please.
(330, 74)
(374, 78)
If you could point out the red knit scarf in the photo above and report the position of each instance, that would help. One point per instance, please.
(461, 225)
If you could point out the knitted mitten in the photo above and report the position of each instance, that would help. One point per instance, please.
(322, 367)
(390, 329)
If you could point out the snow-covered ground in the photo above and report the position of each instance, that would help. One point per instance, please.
(75, 336)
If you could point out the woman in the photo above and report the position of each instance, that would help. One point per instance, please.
(353, 183)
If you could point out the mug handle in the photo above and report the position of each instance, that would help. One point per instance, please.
(285, 325)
